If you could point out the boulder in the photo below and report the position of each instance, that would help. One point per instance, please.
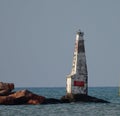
(82, 98)
(6, 100)
(26, 97)
(6, 88)
(52, 101)
(21, 97)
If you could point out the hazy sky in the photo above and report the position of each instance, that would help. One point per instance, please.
(37, 41)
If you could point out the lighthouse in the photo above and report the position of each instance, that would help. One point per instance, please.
(77, 80)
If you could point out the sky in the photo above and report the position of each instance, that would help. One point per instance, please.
(37, 41)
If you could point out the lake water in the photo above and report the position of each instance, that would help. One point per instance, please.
(68, 109)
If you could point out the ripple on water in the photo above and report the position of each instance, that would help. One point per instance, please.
(72, 109)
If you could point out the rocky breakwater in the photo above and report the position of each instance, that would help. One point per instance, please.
(6, 88)
(82, 98)
(9, 97)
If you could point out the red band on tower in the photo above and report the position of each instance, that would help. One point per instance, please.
(79, 83)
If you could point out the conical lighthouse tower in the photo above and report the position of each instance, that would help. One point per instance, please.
(77, 81)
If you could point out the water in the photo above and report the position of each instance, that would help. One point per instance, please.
(72, 109)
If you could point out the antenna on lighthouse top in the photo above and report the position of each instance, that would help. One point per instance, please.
(80, 33)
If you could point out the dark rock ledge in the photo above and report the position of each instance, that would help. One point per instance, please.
(82, 98)
(7, 97)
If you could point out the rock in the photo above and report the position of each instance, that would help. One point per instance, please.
(81, 98)
(6, 88)
(52, 101)
(27, 97)
(21, 97)
(6, 100)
